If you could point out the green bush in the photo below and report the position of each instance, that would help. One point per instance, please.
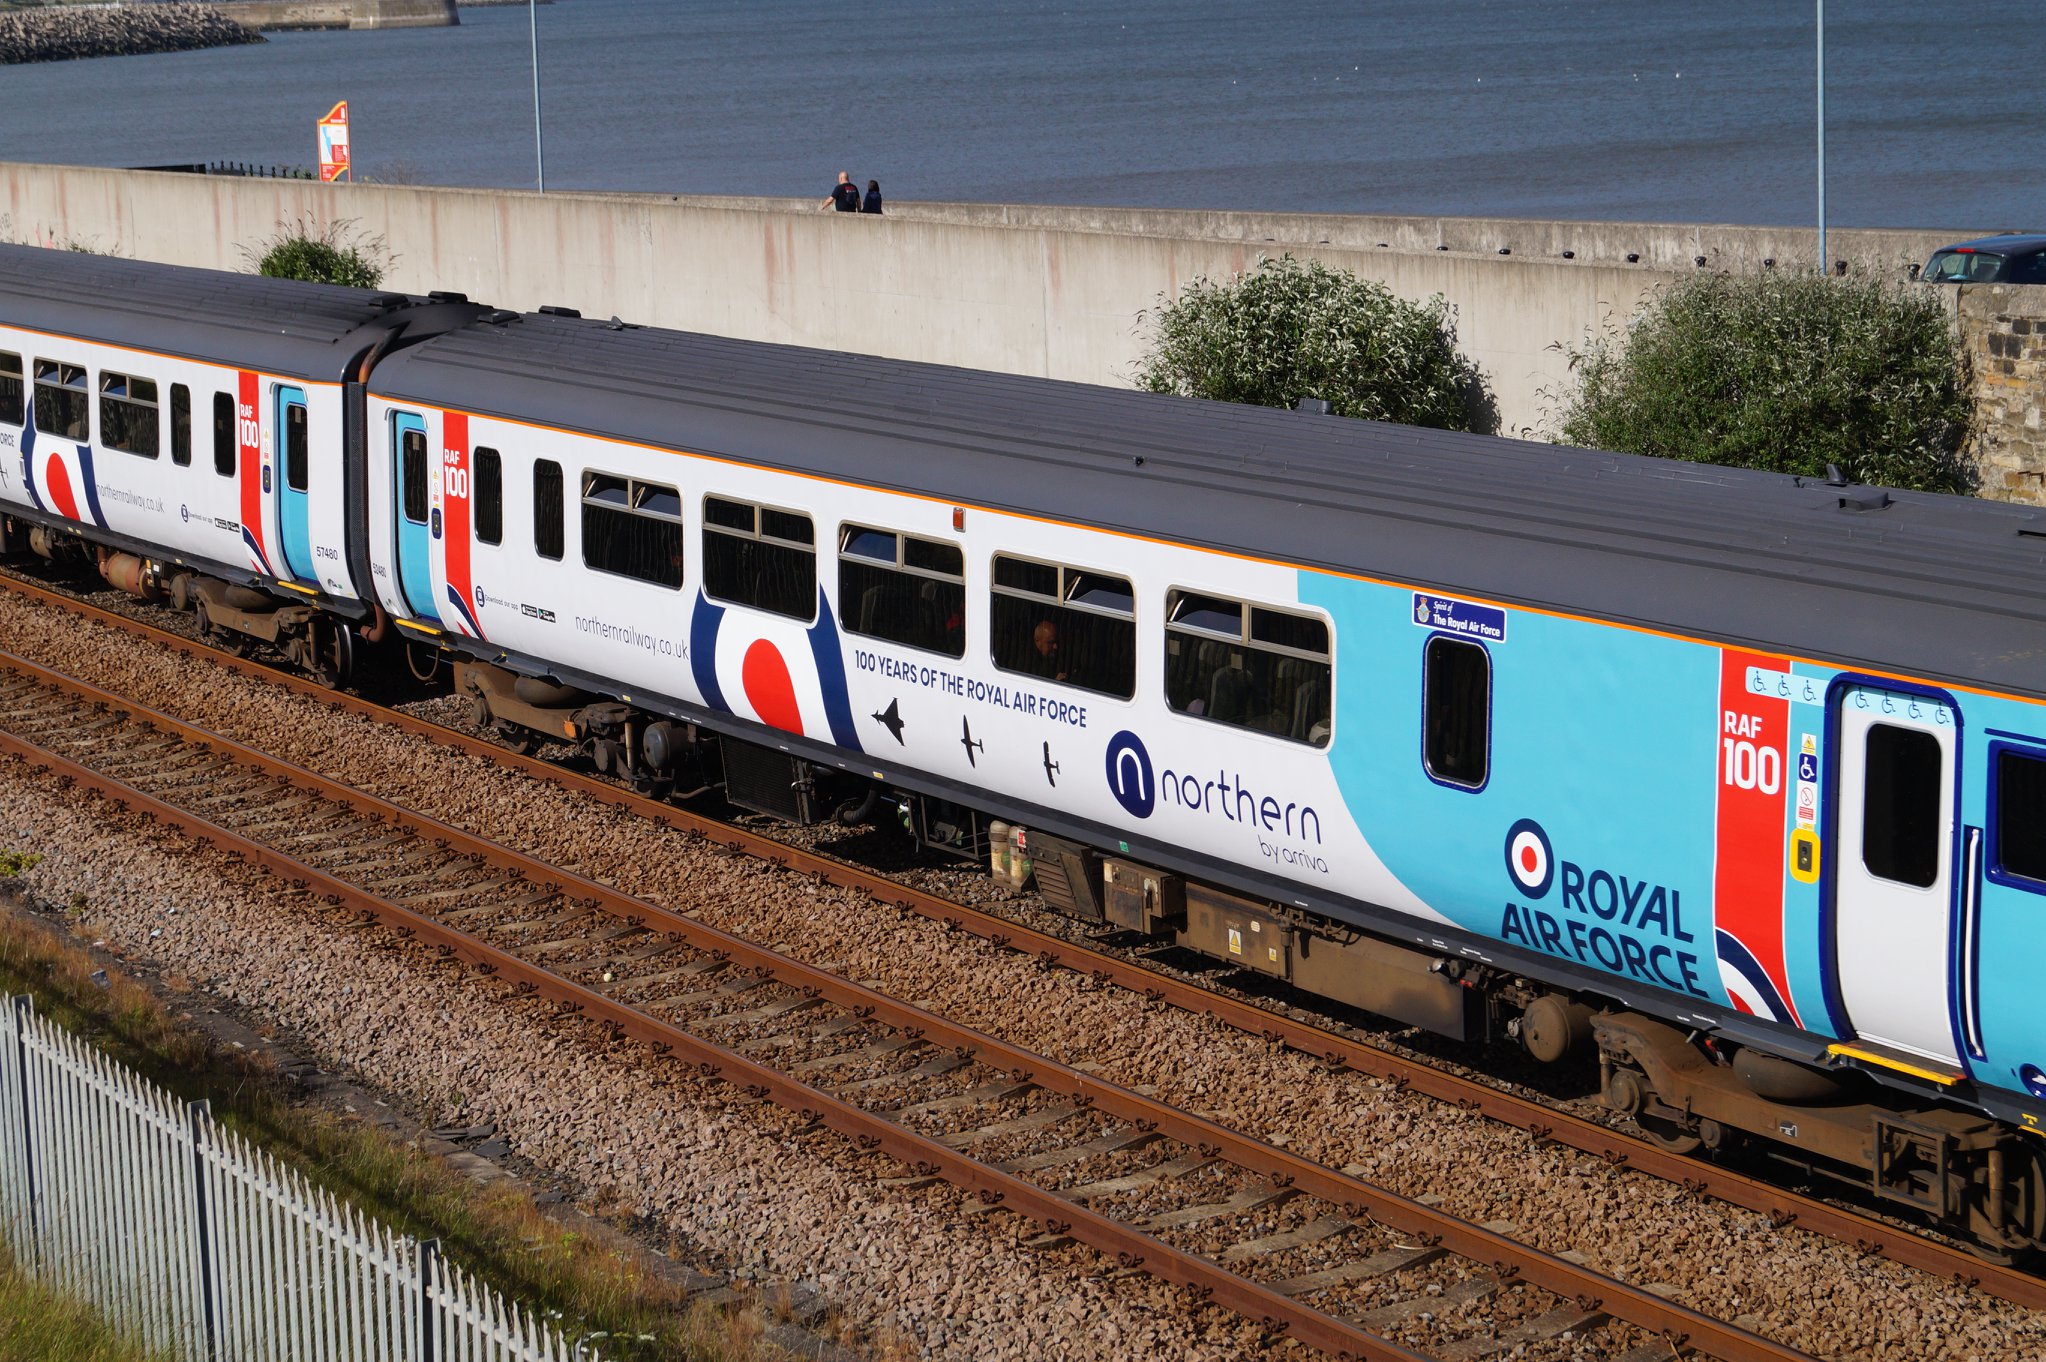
(1787, 372)
(1290, 329)
(323, 255)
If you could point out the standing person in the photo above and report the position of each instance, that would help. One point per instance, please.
(873, 200)
(845, 195)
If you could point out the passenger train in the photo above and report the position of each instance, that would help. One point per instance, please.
(1734, 781)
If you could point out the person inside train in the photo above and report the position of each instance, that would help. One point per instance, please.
(1044, 651)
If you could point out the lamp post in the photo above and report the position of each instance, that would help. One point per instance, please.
(539, 150)
(1823, 266)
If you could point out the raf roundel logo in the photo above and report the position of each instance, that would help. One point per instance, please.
(1130, 778)
(1528, 858)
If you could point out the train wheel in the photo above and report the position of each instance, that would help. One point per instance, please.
(332, 654)
(233, 640)
(519, 740)
(1668, 1135)
(2017, 1232)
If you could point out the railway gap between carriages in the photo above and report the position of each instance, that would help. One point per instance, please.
(1544, 1123)
(1156, 1187)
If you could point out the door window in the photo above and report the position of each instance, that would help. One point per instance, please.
(1900, 821)
(297, 457)
(413, 472)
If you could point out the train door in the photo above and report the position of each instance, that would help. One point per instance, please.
(1893, 882)
(294, 442)
(412, 473)
(2001, 904)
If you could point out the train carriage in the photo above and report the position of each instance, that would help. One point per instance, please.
(1732, 779)
(169, 419)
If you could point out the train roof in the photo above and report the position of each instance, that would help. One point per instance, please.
(1944, 587)
(312, 331)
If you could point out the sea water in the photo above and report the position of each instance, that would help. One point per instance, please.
(1643, 109)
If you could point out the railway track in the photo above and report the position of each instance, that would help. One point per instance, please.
(1543, 1122)
(1330, 1260)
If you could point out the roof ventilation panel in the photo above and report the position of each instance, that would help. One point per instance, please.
(1864, 499)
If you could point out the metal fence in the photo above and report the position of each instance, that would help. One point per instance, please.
(198, 1244)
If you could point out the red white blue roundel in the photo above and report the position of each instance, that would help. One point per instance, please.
(782, 673)
(58, 475)
(1528, 857)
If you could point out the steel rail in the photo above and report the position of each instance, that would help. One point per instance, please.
(1872, 1237)
(1509, 1259)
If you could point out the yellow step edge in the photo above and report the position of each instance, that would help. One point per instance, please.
(1944, 1077)
(418, 627)
(301, 590)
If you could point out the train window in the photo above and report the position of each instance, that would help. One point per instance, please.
(1066, 624)
(632, 528)
(13, 400)
(547, 528)
(412, 475)
(127, 414)
(181, 425)
(1248, 665)
(903, 589)
(225, 449)
(298, 470)
(1900, 814)
(486, 495)
(759, 556)
(1456, 720)
(2021, 815)
(63, 405)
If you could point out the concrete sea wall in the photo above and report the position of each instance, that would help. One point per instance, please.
(1056, 292)
(291, 14)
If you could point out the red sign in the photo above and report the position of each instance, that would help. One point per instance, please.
(334, 144)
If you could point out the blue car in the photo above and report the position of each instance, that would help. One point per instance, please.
(1989, 260)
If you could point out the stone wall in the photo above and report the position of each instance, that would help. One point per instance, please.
(2004, 326)
(71, 32)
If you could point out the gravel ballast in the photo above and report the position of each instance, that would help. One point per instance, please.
(1822, 1297)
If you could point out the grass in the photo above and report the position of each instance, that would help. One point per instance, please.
(495, 1232)
(41, 1326)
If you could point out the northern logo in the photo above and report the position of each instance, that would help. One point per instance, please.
(1130, 777)
(1529, 859)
